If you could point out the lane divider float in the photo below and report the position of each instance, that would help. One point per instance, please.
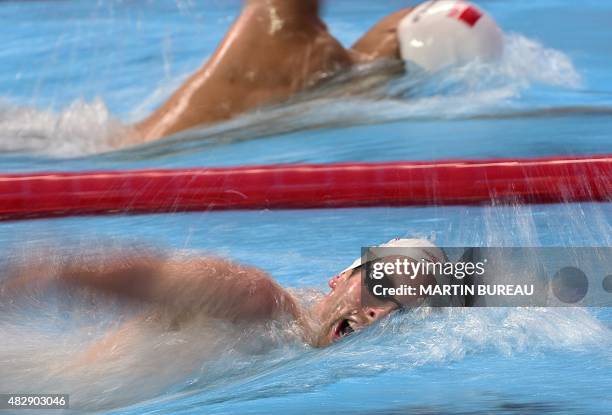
(346, 185)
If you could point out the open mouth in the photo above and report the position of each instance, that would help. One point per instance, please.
(343, 329)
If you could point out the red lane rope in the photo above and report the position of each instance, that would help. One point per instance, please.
(546, 180)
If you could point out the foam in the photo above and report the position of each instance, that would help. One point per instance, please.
(82, 128)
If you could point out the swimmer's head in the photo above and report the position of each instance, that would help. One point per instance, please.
(341, 312)
(443, 33)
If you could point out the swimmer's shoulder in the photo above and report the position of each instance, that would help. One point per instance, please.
(381, 41)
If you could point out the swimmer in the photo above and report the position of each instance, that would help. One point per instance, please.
(278, 48)
(177, 293)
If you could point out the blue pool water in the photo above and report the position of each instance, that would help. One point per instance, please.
(71, 71)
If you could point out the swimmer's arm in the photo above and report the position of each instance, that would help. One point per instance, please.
(189, 287)
(222, 289)
(20, 278)
(186, 288)
(131, 276)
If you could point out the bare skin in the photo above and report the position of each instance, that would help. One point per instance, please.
(179, 292)
(381, 41)
(341, 313)
(182, 288)
(275, 49)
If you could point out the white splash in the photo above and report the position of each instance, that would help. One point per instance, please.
(82, 128)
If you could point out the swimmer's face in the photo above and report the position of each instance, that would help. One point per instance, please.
(340, 313)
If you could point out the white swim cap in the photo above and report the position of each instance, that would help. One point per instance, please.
(419, 249)
(441, 33)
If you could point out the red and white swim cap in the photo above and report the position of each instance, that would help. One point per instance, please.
(442, 33)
